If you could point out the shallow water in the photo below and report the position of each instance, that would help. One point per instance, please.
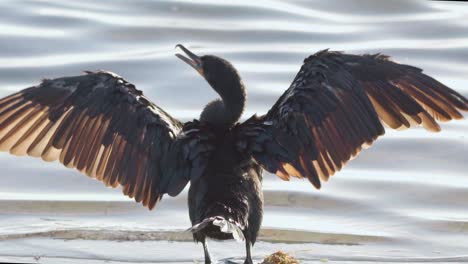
(404, 200)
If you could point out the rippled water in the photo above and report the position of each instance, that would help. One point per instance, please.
(404, 200)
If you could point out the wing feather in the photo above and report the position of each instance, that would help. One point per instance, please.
(101, 125)
(335, 107)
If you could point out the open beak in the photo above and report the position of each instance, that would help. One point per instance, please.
(191, 59)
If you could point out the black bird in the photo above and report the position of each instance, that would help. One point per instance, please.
(104, 127)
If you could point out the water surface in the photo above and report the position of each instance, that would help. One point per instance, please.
(404, 200)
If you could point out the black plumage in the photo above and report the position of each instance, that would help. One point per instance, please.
(103, 126)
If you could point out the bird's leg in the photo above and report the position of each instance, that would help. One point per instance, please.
(207, 253)
(248, 257)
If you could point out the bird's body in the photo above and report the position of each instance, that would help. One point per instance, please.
(337, 104)
(230, 189)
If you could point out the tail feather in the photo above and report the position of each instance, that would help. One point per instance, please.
(225, 225)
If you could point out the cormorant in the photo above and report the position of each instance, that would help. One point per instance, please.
(104, 127)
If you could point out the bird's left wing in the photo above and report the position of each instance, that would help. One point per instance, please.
(334, 108)
(104, 127)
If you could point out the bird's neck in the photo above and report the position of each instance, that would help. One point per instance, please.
(227, 110)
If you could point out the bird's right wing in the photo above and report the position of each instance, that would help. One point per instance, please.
(336, 105)
(104, 127)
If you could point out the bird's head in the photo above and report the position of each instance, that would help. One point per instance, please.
(218, 72)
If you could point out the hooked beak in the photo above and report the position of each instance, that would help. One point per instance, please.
(192, 60)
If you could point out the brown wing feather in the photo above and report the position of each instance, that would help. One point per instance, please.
(402, 95)
(334, 109)
(101, 125)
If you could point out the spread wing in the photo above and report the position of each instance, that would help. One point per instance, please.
(334, 108)
(104, 127)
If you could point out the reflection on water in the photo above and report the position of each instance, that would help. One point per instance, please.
(404, 200)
